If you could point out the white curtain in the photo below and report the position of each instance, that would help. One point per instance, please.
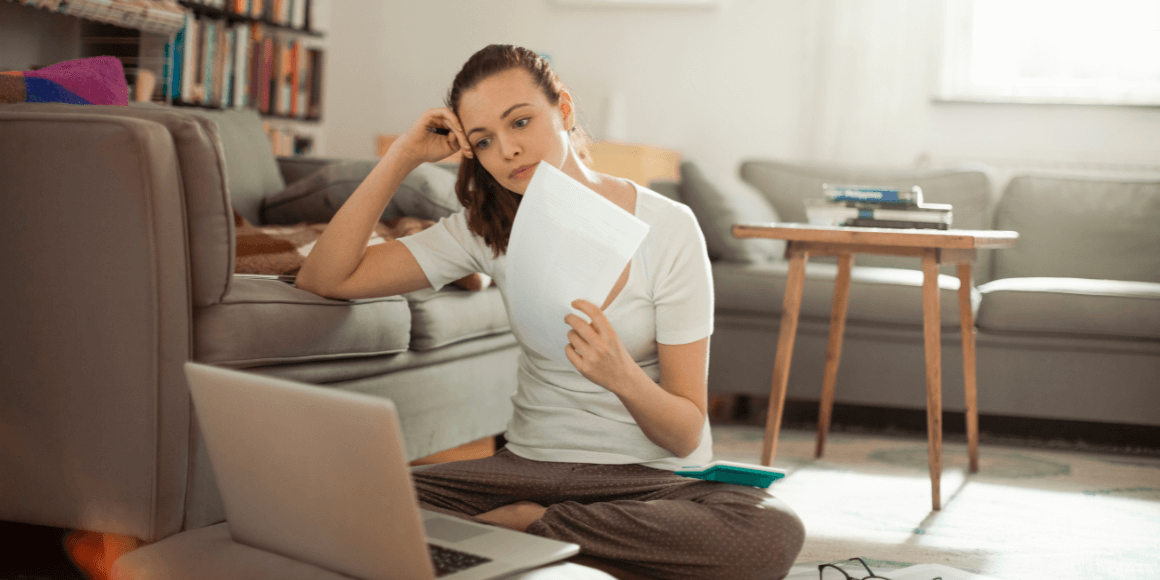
(871, 68)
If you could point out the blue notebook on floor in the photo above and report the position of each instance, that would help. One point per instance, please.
(733, 472)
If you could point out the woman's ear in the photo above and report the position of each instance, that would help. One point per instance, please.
(567, 110)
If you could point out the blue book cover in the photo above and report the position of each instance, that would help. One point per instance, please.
(176, 71)
(883, 195)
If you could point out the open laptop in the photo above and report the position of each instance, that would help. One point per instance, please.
(320, 475)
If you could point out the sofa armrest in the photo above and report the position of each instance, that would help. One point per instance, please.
(94, 412)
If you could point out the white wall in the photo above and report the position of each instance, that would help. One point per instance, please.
(827, 81)
(717, 84)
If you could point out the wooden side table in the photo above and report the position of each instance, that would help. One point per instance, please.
(934, 247)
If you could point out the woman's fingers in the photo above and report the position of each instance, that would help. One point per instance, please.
(460, 142)
(575, 341)
(583, 330)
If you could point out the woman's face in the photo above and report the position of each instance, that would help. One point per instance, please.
(512, 126)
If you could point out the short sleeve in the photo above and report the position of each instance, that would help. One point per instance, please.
(683, 288)
(444, 251)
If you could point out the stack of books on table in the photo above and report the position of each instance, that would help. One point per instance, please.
(876, 207)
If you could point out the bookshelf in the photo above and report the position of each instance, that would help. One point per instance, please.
(264, 55)
(257, 54)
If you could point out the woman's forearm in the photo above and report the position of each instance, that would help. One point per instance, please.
(669, 420)
(343, 243)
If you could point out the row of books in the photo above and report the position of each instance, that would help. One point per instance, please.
(218, 64)
(293, 13)
(878, 207)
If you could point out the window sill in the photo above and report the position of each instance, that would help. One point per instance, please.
(1037, 101)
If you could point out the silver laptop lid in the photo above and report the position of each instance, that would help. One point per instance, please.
(312, 473)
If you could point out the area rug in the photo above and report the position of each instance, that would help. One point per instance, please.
(1027, 513)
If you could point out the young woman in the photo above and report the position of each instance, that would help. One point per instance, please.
(591, 446)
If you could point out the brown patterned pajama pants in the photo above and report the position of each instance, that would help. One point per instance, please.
(638, 518)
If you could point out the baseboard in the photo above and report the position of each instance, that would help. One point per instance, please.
(993, 429)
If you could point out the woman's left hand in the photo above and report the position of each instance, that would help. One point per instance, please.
(595, 349)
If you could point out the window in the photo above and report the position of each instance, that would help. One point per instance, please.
(1052, 51)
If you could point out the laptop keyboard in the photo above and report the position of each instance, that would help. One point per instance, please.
(448, 561)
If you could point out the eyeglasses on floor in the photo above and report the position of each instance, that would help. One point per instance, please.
(852, 569)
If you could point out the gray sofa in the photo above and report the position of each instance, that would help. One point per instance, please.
(119, 254)
(1068, 321)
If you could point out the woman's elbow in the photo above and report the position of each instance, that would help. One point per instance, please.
(311, 284)
(690, 446)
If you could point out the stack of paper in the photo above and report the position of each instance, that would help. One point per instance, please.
(567, 243)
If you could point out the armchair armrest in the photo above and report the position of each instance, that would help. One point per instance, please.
(94, 412)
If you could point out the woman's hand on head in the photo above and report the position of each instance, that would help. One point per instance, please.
(595, 349)
(421, 145)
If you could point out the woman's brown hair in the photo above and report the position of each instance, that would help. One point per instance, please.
(491, 207)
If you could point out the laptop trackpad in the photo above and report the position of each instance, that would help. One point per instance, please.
(448, 530)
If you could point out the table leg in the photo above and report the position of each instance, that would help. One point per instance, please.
(834, 348)
(791, 305)
(967, 321)
(931, 334)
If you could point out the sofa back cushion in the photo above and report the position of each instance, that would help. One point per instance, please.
(428, 192)
(717, 210)
(252, 172)
(1074, 227)
(968, 189)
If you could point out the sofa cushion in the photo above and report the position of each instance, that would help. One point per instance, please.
(717, 211)
(252, 172)
(266, 322)
(788, 185)
(1071, 306)
(877, 295)
(451, 315)
(428, 192)
(1074, 227)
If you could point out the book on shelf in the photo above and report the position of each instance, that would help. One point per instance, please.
(221, 48)
(208, 61)
(197, 89)
(295, 77)
(314, 104)
(240, 87)
(227, 100)
(254, 56)
(285, 79)
(266, 63)
(304, 86)
(298, 14)
(167, 71)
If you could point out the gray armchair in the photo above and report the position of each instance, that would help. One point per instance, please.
(119, 256)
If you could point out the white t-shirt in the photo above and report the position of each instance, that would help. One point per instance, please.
(560, 415)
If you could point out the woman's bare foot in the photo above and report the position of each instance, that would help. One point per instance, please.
(517, 516)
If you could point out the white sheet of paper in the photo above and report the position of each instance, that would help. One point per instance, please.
(567, 243)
